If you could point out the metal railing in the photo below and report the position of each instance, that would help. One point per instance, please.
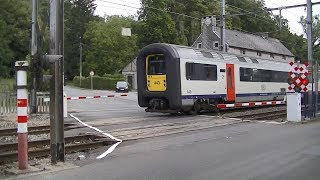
(8, 103)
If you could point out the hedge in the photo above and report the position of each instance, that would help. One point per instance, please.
(106, 82)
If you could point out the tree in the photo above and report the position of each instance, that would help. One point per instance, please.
(157, 26)
(15, 23)
(107, 50)
(78, 13)
(315, 35)
(253, 19)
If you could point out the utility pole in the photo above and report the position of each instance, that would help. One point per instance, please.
(80, 62)
(222, 26)
(56, 90)
(309, 39)
(280, 19)
(34, 57)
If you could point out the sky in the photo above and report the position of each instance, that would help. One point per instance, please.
(130, 7)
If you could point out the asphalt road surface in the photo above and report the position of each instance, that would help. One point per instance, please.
(250, 150)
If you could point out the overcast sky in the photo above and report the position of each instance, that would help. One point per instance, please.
(130, 7)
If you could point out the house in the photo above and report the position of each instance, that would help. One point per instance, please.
(130, 73)
(237, 42)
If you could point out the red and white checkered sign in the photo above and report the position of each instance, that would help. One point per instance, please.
(298, 77)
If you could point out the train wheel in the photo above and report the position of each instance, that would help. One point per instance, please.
(194, 111)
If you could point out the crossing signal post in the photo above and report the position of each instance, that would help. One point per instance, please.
(298, 82)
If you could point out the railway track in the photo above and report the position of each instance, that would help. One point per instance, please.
(34, 130)
(271, 115)
(41, 148)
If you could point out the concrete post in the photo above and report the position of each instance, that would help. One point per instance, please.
(22, 113)
(222, 26)
(310, 60)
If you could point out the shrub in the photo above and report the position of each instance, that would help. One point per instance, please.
(102, 83)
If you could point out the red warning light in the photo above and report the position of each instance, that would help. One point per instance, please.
(305, 81)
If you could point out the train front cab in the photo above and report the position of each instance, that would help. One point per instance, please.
(158, 74)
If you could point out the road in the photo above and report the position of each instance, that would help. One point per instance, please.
(251, 150)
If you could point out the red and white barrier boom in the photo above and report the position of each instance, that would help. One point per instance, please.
(22, 113)
(95, 97)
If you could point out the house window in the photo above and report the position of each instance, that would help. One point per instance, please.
(272, 55)
(242, 51)
(259, 53)
(199, 45)
(216, 44)
(284, 57)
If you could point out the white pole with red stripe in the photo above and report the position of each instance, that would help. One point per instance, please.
(22, 113)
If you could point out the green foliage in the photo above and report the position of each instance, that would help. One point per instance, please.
(78, 13)
(114, 76)
(105, 83)
(14, 34)
(108, 51)
(159, 26)
(7, 85)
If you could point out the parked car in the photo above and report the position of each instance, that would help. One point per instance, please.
(122, 86)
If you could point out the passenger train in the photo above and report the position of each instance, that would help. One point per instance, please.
(173, 78)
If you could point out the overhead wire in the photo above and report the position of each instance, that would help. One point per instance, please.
(171, 12)
(288, 10)
(149, 7)
(257, 14)
(111, 7)
(293, 29)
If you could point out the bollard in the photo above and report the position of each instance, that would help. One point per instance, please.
(65, 105)
(22, 113)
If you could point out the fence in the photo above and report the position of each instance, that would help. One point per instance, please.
(8, 103)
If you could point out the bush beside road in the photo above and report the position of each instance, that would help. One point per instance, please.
(105, 82)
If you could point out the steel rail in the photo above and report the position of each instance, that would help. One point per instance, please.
(34, 130)
(35, 150)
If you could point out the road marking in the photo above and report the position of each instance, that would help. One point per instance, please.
(267, 122)
(110, 149)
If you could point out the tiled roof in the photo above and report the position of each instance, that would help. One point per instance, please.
(250, 41)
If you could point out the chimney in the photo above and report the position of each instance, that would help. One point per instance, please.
(208, 26)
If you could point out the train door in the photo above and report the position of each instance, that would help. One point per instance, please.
(231, 95)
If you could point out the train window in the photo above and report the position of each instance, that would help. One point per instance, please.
(246, 74)
(156, 65)
(254, 60)
(207, 54)
(196, 71)
(261, 75)
(242, 59)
